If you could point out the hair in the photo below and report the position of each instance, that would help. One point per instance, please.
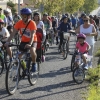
(87, 17)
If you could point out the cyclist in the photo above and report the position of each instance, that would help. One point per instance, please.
(63, 27)
(16, 18)
(47, 25)
(3, 17)
(5, 35)
(9, 21)
(40, 34)
(82, 47)
(90, 31)
(28, 38)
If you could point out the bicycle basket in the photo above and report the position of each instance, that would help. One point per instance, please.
(65, 35)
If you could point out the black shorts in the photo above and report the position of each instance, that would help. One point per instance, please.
(22, 46)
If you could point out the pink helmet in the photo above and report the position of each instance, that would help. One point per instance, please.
(1, 21)
(81, 36)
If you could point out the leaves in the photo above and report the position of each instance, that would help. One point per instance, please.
(89, 5)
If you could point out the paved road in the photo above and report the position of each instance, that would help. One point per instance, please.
(55, 82)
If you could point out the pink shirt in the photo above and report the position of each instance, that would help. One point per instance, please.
(83, 48)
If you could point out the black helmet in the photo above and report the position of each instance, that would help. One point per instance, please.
(45, 14)
(64, 17)
(36, 13)
(90, 16)
(83, 14)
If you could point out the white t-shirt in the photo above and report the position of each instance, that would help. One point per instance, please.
(3, 33)
(89, 39)
(40, 25)
(9, 20)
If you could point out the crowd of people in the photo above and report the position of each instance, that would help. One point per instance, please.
(30, 27)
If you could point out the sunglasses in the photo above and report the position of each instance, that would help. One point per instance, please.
(85, 20)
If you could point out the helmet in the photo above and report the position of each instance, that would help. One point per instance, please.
(6, 12)
(83, 14)
(64, 17)
(81, 36)
(45, 14)
(1, 21)
(36, 13)
(90, 16)
(26, 11)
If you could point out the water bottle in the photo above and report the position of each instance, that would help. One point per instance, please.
(23, 63)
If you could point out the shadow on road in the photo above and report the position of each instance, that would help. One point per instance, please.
(49, 88)
(54, 73)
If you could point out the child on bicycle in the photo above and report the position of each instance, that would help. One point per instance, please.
(4, 34)
(82, 47)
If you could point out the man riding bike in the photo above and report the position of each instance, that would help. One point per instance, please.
(28, 38)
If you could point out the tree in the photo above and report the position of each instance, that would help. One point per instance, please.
(12, 6)
(89, 5)
(53, 6)
(73, 5)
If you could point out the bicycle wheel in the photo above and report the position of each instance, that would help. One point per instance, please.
(73, 63)
(1, 65)
(12, 77)
(33, 77)
(78, 75)
(65, 50)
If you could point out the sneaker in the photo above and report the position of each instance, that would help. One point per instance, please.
(86, 67)
(34, 67)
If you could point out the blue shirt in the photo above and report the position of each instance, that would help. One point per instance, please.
(81, 21)
(73, 21)
(64, 27)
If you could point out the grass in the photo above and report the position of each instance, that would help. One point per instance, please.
(94, 89)
(97, 54)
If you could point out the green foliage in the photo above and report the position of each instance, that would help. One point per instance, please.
(53, 6)
(12, 5)
(89, 5)
(73, 5)
(97, 54)
(94, 89)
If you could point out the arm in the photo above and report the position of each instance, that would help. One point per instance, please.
(12, 35)
(32, 36)
(77, 30)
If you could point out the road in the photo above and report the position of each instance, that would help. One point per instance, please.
(55, 81)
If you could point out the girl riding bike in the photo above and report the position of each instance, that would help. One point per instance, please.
(82, 47)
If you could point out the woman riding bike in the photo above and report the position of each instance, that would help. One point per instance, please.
(64, 27)
(82, 47)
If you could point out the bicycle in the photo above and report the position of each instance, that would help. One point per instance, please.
(16, 72)
(3, 57)
(78, 69)
(64, 48)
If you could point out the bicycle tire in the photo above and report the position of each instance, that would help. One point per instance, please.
(14, 78)
(73, 63)
(1, 65)
(78, 75)
(65, 50)
(31, 75)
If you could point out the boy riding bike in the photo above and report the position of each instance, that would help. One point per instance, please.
(4, 34)
(27, 29)
(82, 47)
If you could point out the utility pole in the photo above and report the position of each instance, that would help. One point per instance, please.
(19, 7)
